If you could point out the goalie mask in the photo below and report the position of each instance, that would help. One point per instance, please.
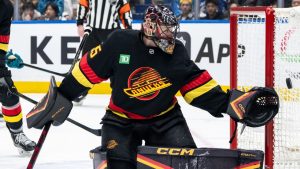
(160, 25)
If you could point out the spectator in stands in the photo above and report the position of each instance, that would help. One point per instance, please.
(51, 12)
(158, 2)
(42, 4)
(212, 10)
(134, 3)
(246, 2)
(29, 12)
(202, 11)
(35, 3)
(68, 10)
(274, 4)
(231, 4)
(264, 2)
(171, 4)
(295, 3)
(287, 3)
(175, 7)
(222, 7)
(65, 16)
(186, 10)
(255, 2)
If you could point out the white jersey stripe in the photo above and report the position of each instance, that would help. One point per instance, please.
(103, 14)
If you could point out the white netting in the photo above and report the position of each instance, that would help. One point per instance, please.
(251, 69)
(251, 72)
(287, 66)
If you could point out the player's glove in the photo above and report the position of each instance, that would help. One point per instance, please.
(254, 108)
(53, 108)
(13, 60)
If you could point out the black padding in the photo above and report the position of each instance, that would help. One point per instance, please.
(4, 72)
(52, 108)
(182, 158)
(263, 108)
(61, 109)
(254, 108)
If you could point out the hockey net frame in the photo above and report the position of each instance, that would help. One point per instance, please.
(269, 25)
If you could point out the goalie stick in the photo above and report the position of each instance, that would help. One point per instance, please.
(76, 58)
(45, 131)
(38, 146)
(42, 138)
(45, 70)
(48, 125)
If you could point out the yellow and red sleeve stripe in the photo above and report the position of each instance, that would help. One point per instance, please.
(129, 115)
(84, 3)
(122, 11)
(4, 39)
(84, 74)
(12, 114)
(197, 87)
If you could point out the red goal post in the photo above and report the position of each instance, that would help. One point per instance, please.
(263, 52)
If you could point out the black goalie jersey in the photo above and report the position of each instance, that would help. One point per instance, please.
(144, 80)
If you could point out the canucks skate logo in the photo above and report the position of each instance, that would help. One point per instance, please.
(145, 83)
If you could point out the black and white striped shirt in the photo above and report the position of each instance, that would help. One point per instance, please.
(104, 14)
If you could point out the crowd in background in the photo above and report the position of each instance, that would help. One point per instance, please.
(184, 9)
(45, 9)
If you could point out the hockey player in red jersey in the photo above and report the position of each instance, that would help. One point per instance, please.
(146, 69)
(11, 107)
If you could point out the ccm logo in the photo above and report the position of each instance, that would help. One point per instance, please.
(175, 151)
(242, 108)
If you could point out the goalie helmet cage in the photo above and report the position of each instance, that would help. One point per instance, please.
(265, 51)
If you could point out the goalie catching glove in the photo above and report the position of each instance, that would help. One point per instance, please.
(254, 108)
(54, 108)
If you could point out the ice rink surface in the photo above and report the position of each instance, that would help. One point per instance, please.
(67, 146)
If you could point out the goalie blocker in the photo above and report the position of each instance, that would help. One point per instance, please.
(254, 108)
(54, 108)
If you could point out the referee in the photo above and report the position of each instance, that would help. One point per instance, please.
(103, 17)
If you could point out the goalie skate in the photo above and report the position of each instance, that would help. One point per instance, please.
(23, 143)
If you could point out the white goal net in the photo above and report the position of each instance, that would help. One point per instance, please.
(265, 51)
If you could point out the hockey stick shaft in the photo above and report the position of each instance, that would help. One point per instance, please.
(76, 58)
(39, 146)
(45, 70)
(96, 132)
